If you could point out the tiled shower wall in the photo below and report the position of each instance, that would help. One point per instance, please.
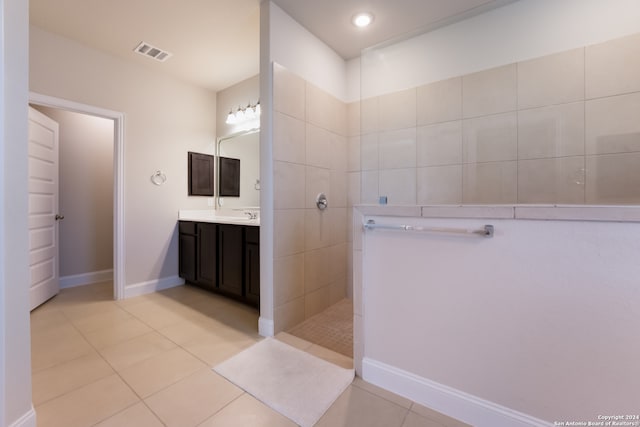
(559, 129)
(310, 157)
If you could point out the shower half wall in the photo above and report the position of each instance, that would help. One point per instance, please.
(534, 103)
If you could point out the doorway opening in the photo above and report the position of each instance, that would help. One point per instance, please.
(118, 175)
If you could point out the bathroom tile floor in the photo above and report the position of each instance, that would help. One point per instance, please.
(146, 361)
(332, 328)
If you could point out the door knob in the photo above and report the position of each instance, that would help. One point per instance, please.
(59, 217)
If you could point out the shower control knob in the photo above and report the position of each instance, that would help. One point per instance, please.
(321, 201)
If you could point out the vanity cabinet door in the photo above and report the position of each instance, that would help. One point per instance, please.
(201, 176)
(207, 255)
(252, 265)
(230, 239)
(187, 250)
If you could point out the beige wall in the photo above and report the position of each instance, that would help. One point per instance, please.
(541, 318)
(557, 129)
(164, 118)
(86, 191)
(310, 156)
(15, 361)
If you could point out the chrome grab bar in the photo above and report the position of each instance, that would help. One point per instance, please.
(487, 230)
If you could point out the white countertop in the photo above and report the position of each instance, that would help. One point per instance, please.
(237, 217)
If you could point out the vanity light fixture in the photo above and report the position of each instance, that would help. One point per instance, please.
(362, 20)
(244, 114)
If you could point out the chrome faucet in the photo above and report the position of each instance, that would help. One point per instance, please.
(251, 214)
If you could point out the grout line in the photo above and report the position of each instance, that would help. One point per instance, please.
(517, 159)
(584, 129)
(406, 415)
(373, 393)
(225, 406)
(114, 414)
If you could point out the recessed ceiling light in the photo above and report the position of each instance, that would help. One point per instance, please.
(362, 19)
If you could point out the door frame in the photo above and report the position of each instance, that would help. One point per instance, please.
(118, 176)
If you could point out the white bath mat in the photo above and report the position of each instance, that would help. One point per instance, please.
(296, 384)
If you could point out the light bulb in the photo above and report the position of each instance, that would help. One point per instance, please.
(362, 20)
(249, 112)
(257, 109)
(231, 118)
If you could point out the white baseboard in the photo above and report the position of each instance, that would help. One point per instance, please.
(265, 327)
(27, 420)
(449, 401)
(142, 288)
(86, 278)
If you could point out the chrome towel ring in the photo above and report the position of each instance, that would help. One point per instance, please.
(158, 178)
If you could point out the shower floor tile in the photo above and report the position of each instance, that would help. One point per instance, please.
(331, 329)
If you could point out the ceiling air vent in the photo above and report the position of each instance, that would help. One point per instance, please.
(152, 52)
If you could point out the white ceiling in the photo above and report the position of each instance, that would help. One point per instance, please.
(215, 43)
(330, 20)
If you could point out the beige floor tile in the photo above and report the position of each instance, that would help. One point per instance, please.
(87, 405)
(186, 331)
(294, 341)
(392, 397)
(78, 311)
(415, 420)
(130, 302)
(43, 318)
(138, 415)
(359, 408)
(192, 400)
(437, 416)
(101, 320)
(248, 411)
(182, 390)
(51, 346)
(46, 333)
(135, 350)
(331, 356)
(154, 315)
(177, 307)
(213, 349)
(160, 371)
(65, 377)
(204, 301)
(81, 294)
(116, 333)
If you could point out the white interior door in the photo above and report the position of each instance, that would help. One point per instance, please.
(43, 208)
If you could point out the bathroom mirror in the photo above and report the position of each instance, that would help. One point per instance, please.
(244, 148)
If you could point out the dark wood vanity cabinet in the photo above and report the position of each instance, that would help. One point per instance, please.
(252, 265)
(207, 271)
(230, 260)
(197, 246)
(187, 249)
(201, 174)
(224, 258)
